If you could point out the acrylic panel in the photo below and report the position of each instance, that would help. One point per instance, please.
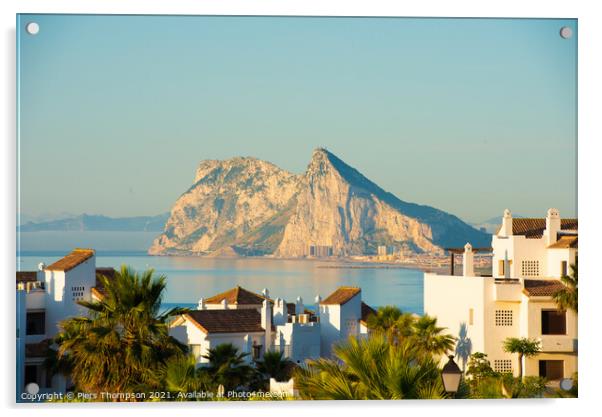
(221, 208)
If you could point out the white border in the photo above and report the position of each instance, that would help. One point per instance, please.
(590, 42)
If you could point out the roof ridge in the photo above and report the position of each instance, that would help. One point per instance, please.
(341, 295)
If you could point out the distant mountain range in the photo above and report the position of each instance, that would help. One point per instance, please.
(88, 222)
(248, 206)
(491, 225)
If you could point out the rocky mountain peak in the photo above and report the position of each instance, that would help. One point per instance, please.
(212, 168)
(250, 206)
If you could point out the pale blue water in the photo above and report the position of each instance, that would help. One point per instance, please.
(190, 278)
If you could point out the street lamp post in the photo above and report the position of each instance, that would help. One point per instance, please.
(451, 375)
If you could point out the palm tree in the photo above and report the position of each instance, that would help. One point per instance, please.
(392, 322)
(371, 368)
(181, 375)
(228, 366)
(567, 297)
(430, 338)
(124, 339)
(525, 347)
(273, 365)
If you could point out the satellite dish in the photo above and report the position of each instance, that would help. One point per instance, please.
(41, 266)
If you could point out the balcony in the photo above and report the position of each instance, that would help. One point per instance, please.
(508, 289)
(558, 343)
(36, 300)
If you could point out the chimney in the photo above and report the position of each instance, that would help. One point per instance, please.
(318, 300)
(299, 307)
(266, 322)
(552, 226)
(506, 229)
(468, 261)
(201, 305)
(224, 304)
(280, 313)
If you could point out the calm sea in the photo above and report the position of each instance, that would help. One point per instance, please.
(190, 278)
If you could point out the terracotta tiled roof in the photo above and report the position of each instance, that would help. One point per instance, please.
(226, 321)
(37, 350)
(98, 290)
(366, 311)
(237, 295)
(542, 287)
(72, 260)
(341, 295)
(533, 228)
(565, 242)
(27, 276)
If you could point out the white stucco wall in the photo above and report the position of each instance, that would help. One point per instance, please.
(330, 327)
(351, 314)
(555, 258)
(519, 249)
(451, 298)
(189, 334)
(60, 302)
(303, 340)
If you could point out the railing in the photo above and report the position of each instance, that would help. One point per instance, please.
(508, 289)
(507, 280)
(558, 343)
(31, 285)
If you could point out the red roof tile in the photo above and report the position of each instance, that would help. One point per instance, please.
(226, 321)
(27, 276)
(98, 290)
(542, 287)
(237, 295)
(366, 312)
(341, 295)
(78, 256)
(533, 228)
(565, 242)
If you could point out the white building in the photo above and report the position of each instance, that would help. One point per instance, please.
(45, 298)
(529, 257)
(254, 323)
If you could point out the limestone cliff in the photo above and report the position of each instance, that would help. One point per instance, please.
(229, 203)
(251, 207)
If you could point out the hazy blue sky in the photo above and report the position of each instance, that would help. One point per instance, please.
(469, 116)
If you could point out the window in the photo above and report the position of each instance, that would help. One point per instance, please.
(37, 374)
(351, 326)
(77, 293)
(502, 269)
(256, 352)
(530, 268)
(31, 374)
(195, 350)
(553, 322)
(471, 316)
(36, 322)
(551, 370)
(503, 317)
(502, 365)
(563, 268)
